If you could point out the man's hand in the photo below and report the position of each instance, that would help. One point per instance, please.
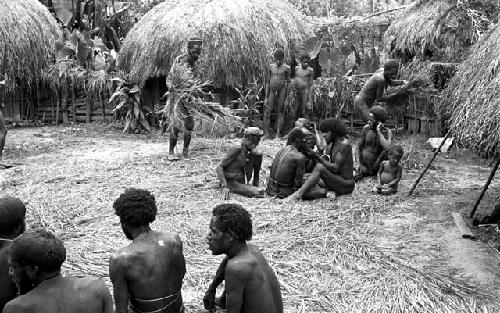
(226, 193)
(209, 301)
(313, 154)
(379, 127)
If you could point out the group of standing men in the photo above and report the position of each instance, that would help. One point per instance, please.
(147, 275)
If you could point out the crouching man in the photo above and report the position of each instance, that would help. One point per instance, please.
(251, 284)
(236, 169)
(35, 265)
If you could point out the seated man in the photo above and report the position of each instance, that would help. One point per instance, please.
(334, 169)
(35, 263)
(390, 172)
(371, 148)
(147, 274)
(12, 213)
(235, 170)
(251, 285)
(288, 168)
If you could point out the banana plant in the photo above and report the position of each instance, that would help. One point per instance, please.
(128, 100)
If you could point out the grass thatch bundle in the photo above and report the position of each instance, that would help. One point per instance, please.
(185, 98)
(238, 38)
(470, 102)
(27, 40)
(64, 74)
(438, 29)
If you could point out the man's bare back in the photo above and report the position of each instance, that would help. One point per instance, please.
(8, 290)
(287, 172)
(64, 295)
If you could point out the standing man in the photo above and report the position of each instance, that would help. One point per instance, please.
(35, 264)
(147, 274)
(278, 76)
(303, 81)
(236, 169)
(191, 59)
(375, 87)
(251, 284)
(12, 214)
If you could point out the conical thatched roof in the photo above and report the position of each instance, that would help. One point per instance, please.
(238, 38)
(471, 102)
(437, 29)
(27, 40)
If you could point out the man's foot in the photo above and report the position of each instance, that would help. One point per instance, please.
(331, 195)
(173, 157)
(295, 197)
(185, 153)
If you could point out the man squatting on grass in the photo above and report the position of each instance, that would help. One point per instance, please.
(35, 264)
(147, 274)
(12, 214)
(251, 286)
(238, 165)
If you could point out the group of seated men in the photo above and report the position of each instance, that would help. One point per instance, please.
(315, 163)
(147, 275)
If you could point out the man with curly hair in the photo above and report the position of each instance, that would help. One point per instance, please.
(147, 274)
(251, 284)
(35, 260)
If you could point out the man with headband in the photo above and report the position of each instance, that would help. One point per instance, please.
(147, 274)
(375, 87)
(236, 169)
(35, 265)
(191, 59)
(12, 214)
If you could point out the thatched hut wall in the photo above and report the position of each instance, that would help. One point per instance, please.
(438, 30)
(238, 38)
(27, 46)
(471, 102)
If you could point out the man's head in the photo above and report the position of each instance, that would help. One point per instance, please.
(136, 208)
(332, 129)
(391, 68)
(305, 60)
(378, 114)
(395, 154)
(35, 255)
(231, 225)
(301, 122)
(194, 47)
(252, 137)
(299, 137)
(279, 56)
(12, 214)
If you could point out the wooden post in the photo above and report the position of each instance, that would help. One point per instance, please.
(428, 164)
(462, 226)
(492, 174)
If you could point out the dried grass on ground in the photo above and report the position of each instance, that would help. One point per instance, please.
(326, 253)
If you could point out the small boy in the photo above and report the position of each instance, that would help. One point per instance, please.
(390, 172)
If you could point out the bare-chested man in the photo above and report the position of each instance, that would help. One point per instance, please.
(35, 261)
(235, 170)
(303, 81)
(372, 147)
(251, 285)
(12, 214)
(334, 168)
(191, 59)
(375, 87)
(276, 93)
(147, 274)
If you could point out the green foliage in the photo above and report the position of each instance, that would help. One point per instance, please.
(249, 102)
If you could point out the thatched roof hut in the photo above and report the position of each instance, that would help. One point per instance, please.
(238, 38)
(27, 40)
(438, 29)
(471, 100)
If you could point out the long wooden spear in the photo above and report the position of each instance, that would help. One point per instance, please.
(428, 164)
(492, 174)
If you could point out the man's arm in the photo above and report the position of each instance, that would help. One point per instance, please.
(300, 169)
(380, 170)
(381, 97)
(345, 152)
(236, 277)
(267, 84)
(310, 82)
(385, 143)
(229, 158)
(107, 300)
(288, 76)
(120, 288)
(359, 146)
(15, 307)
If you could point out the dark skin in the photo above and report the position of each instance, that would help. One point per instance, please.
(276, 92)
(191, 59)
(237, 167)
(371, 148)
(288, 168)
(8, 289)
(389, 175)
(151, 267)
(374, 89)
(303, 81)
(333, 170)
(52, 292)
(251, 284)
(3, 134)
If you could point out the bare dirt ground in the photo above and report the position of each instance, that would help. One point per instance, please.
(69, 177)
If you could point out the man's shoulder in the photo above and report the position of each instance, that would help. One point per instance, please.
(89, 284)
